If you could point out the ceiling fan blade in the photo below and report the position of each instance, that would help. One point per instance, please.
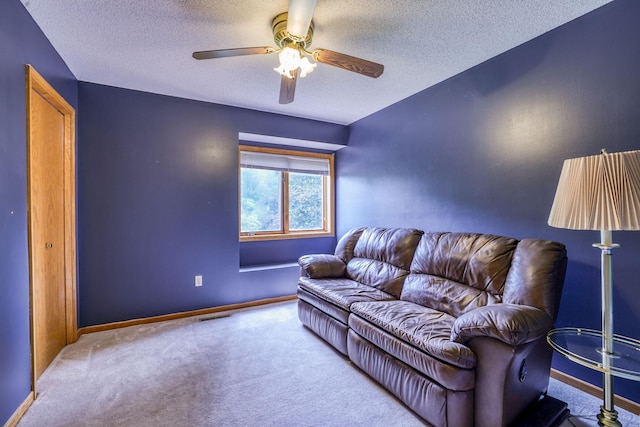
(225, 53)
(349, 63)
(299, 17)
(288, 88)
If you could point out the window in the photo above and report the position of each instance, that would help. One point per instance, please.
(285, 194)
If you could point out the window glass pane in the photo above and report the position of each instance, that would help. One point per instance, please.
(305, 201)
(260, 200)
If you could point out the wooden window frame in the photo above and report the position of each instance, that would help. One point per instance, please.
(328, 188)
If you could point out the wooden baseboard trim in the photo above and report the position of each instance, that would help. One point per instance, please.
(173, 316)
(622, 402)
(17, 415)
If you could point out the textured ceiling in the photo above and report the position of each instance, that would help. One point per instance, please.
(147, 44)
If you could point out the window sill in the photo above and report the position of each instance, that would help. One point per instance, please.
(250, 268)
(262, 237)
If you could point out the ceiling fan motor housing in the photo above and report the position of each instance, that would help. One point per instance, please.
(283, 39)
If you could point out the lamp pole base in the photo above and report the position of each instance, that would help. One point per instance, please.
(608, 418)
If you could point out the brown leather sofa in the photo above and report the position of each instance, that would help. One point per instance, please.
(453, 324)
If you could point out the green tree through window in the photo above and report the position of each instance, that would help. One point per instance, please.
(261, 200)
(305, 201)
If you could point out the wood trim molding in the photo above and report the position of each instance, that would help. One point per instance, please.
(173, 316)
(19, 413)
(621, 402)
(328, 193)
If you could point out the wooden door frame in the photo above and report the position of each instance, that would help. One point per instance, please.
(36, 83)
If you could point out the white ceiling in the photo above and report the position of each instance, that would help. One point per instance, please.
(147, 44)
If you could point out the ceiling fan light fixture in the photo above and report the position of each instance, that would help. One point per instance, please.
(290, 60)
(306, 66)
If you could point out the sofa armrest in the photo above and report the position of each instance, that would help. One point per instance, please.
(322, 266)
(512, 324)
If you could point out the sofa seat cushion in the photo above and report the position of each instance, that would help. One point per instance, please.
(423, 327)
(445, 374)
(324, 306)
(342, 292)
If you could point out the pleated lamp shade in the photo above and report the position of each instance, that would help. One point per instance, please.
(600, 192)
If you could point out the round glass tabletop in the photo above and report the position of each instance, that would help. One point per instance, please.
(584, 346)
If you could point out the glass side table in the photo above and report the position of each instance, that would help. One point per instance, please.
(584, 346)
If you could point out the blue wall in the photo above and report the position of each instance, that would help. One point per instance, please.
(483, 151)
(269, 252)
(21, 42)
(158, 204)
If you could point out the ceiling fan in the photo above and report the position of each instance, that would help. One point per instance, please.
(292, 34)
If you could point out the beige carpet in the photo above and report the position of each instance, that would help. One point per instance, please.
(254, 367)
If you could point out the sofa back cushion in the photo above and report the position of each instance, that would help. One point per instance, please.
(382, 257)
(347, 243)
(536, 276)
(457, 272)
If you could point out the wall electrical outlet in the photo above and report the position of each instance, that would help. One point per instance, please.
(198, 280)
